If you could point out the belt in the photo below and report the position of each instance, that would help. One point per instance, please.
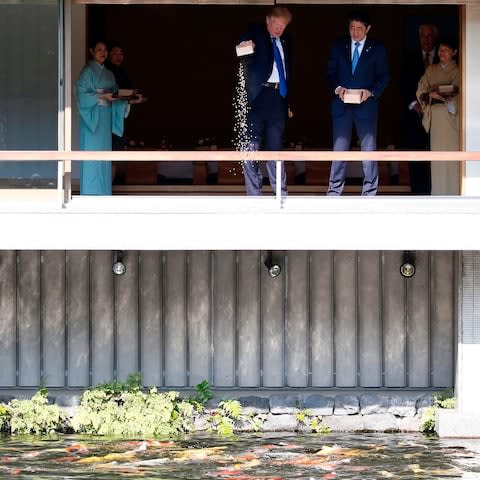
(274, 85)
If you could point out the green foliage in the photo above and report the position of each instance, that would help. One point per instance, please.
(35, 416)
(443, 399)
(226, 417)
(132, 413)
(133, 383)
(448, 403)
(203, 392)
(306, 419)
(317, 426)
(427, 422)
(4, 418)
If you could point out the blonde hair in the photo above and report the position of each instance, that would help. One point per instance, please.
(278, 11)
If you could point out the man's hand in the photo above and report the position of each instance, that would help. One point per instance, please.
(340, 91)
(246, 43)
(139, 98)
(290, 113)
(365, 95)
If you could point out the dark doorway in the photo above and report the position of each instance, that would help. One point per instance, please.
(183, 58)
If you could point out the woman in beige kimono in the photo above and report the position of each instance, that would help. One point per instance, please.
(437, 93)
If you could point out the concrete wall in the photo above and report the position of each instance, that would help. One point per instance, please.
(331, 319)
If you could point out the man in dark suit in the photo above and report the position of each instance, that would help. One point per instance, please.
(414, 135)
(358, 63)
(267, 84)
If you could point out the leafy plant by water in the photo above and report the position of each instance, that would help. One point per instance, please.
(203, 393)
(443, 399)
(226, 417)
(133, 383)
(4, 418)
(131, 413)
(305, 419)
(35, 416)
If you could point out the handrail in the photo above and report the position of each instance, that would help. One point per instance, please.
(64, 179)
(230, 155)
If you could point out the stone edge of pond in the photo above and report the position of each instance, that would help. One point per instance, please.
(375, 412)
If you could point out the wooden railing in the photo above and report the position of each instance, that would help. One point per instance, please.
(64, 159)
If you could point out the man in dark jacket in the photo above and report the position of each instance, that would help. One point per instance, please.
(356, 63)
(414, 135)
(267, 83)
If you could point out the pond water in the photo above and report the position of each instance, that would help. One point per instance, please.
(246, 457)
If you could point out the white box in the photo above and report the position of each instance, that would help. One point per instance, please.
(352, 95)
(246, 49)
(446, 89)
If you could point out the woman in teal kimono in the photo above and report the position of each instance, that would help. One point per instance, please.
(100, 115)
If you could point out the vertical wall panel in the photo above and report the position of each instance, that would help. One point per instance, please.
(28, 318)
(298, 327)
(248, 319)
(8, 310)
(224, 318)
(351, 319)
(345, 319)
(150, 311)
(101, 316)
(394, 321)
(443, 317)
(273, 326)
(175, 338)
(369, 319)
(418, 322)
(126, 317)
(321, 312)
(77, 318)
(199, 317)
(53, 317)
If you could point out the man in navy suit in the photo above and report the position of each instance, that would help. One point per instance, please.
(415, 136)
(356, 62)
(267, 83)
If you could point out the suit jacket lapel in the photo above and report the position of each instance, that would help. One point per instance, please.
(348, 51)
(366, 51)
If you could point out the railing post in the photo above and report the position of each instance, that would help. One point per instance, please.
(60, 196)
(67, 175)
(278, 184)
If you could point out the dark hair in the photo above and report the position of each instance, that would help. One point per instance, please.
(114, 44)
(359, 16)
(449, 42)
(93, 43)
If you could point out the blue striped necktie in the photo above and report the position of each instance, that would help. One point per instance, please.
(281, 71)
(356, 56)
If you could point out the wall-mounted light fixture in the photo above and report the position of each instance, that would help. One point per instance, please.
(118, 267)
(407, 268)
(274, 269)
